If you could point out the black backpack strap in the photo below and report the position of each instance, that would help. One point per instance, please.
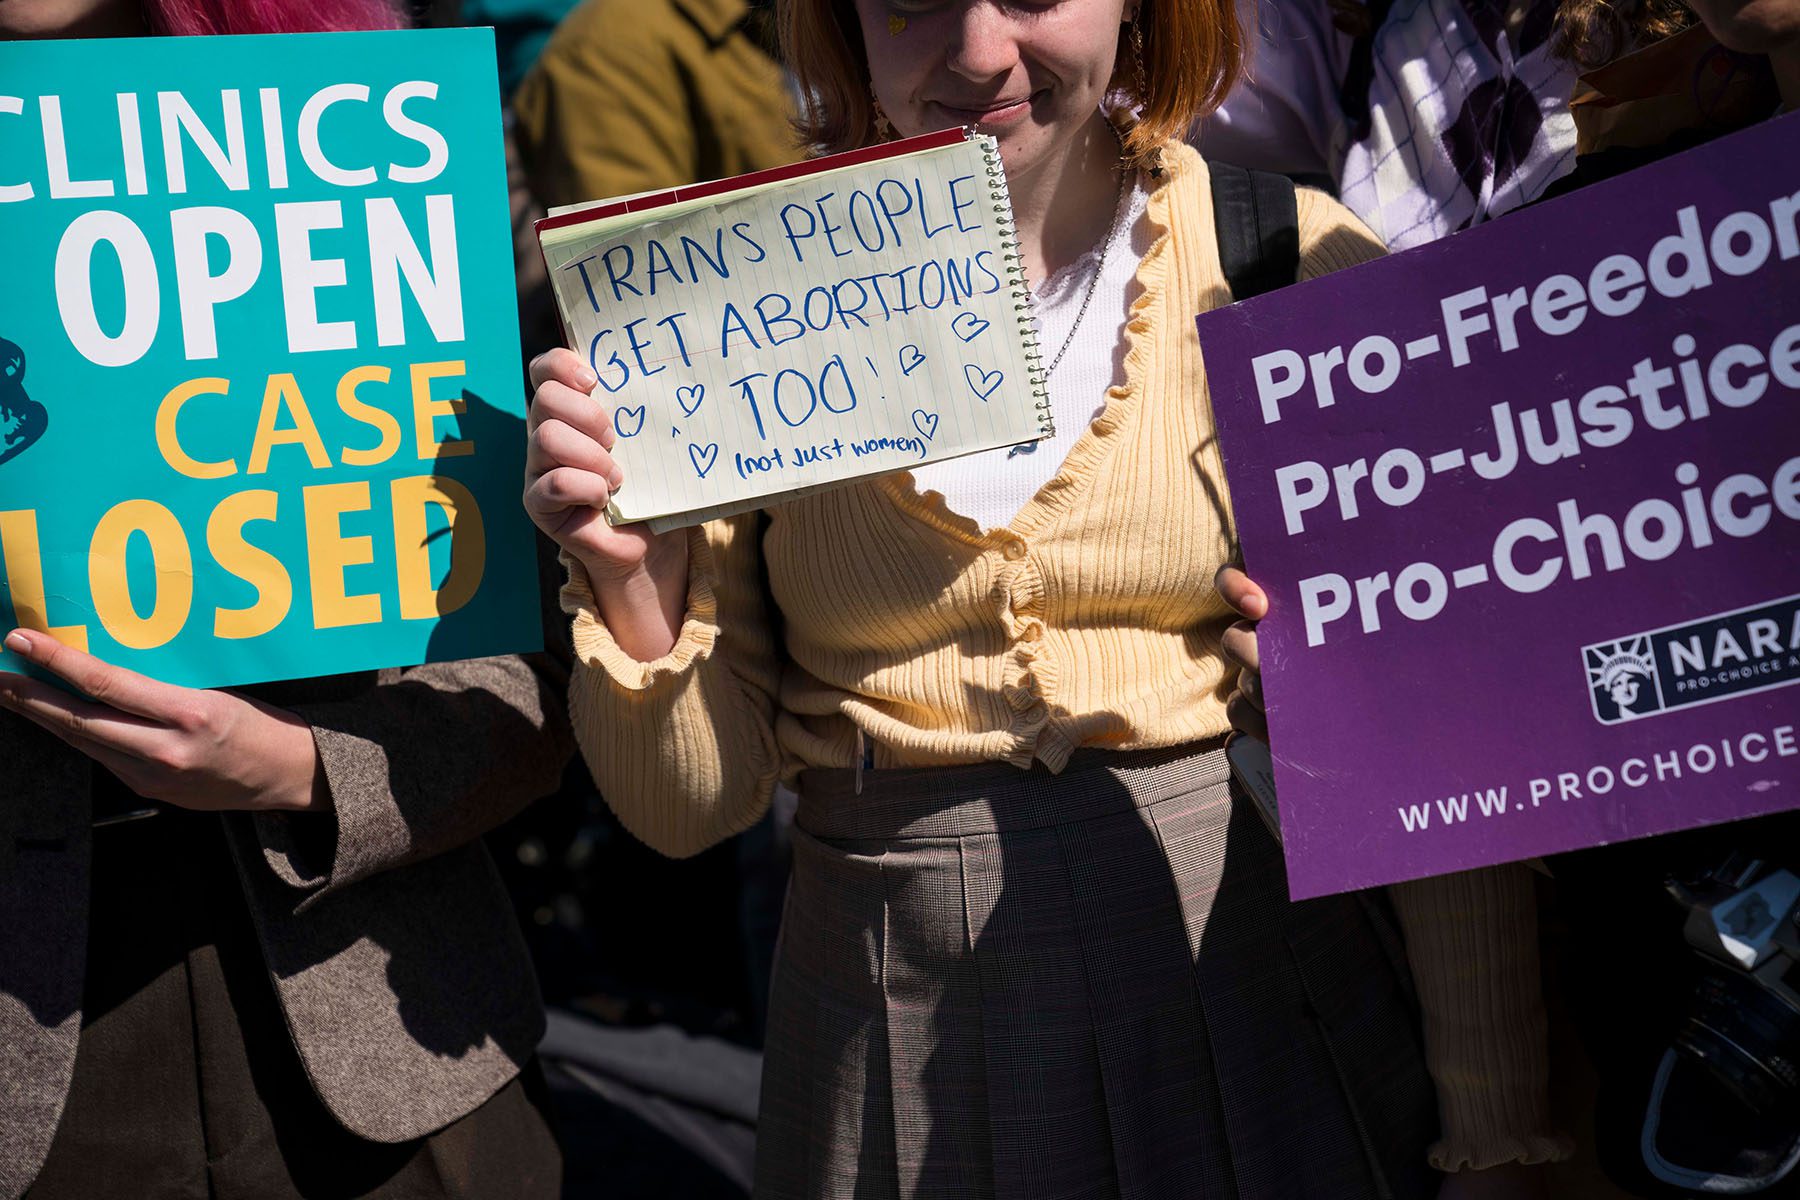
(1258, 224)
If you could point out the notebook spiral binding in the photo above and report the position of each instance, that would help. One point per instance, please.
(1014, 269)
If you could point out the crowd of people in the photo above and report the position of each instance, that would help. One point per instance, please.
(1033, 941)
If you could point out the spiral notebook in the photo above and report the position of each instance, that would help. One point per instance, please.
(766, 336)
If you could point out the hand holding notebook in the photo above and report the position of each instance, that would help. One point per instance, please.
(765, 336)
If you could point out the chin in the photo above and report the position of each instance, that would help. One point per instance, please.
(1019, 149)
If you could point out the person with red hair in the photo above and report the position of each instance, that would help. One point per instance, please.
(250, 947)
(1036, 944)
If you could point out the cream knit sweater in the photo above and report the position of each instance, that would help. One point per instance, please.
(1091, 621)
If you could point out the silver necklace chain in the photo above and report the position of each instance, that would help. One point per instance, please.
(1112, 232)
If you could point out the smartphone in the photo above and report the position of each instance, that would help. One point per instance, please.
(1254, 769)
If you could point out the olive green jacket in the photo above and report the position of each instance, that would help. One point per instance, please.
(638, 95)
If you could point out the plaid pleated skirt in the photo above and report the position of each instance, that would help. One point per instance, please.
(1023, 986)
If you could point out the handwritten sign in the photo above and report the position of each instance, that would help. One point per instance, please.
(1527, 505)
(260, 401)
(827, 326)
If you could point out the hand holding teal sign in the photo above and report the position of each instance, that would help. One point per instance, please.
(268, 430)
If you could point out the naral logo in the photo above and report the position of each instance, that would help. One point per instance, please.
(22, 419)
(1715, 658)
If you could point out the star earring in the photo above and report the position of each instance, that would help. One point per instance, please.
(884, 128)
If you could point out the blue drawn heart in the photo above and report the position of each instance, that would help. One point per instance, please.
(925, 423)
(982, 382)
(911, 359)
(968, 326)
(628, 422)
(703, 457)
(690, 397)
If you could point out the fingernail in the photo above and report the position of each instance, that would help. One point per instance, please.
(17, 642)
(586, 380)
(615, 478)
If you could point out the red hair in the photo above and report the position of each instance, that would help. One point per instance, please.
(201, 17)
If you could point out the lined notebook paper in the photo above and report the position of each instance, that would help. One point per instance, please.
(769, 335)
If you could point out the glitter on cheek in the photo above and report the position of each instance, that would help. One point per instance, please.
(896, 26)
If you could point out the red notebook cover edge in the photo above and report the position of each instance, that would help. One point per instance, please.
(782, 174)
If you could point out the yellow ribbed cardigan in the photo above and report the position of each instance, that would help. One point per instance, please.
(1091, 621)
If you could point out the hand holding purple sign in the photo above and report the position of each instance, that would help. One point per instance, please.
(1518, 492)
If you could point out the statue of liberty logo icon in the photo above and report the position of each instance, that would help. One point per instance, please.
(1623, 678)
(22, 419)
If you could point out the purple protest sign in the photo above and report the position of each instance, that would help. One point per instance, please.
(1527, 506)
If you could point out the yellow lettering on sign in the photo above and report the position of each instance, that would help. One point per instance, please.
(329, 552)
(360, 410)
(168, 440)
(173, 565)
(426, 410)
(412, 550)
(283, 391)
(252, 564)
(24, 566)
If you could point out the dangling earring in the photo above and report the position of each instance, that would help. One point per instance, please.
(884, 129)
(1137, 59)
(1152, 161)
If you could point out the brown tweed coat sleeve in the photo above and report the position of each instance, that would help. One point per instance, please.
(389, 941)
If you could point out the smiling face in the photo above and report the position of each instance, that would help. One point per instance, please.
(1030, 74)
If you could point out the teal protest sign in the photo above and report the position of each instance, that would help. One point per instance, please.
(261, 414)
